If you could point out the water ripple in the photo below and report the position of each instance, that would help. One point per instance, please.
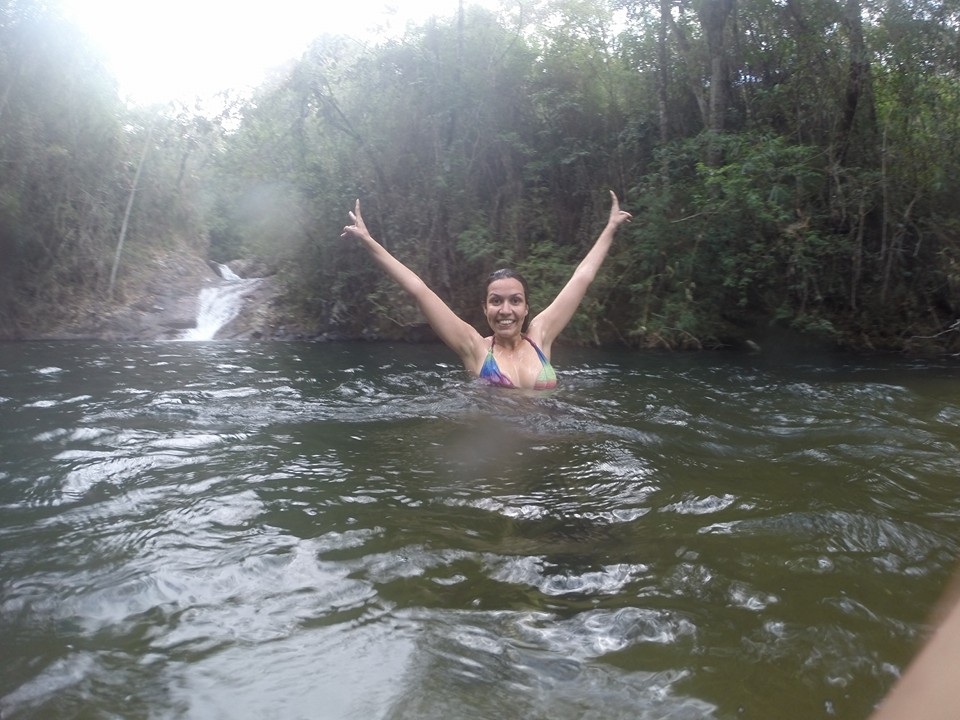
(193, 530)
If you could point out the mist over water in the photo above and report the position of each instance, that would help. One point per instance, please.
(204, 530)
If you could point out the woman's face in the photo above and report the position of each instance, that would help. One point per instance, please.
(505, 306)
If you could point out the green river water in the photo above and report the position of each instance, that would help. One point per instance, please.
(218, 530)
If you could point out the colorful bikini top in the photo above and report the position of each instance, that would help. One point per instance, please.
(490, 372)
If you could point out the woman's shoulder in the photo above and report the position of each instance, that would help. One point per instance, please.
(536, 336)
(474, 359)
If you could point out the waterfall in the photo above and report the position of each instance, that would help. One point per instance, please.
(226, 273)
(219, 304)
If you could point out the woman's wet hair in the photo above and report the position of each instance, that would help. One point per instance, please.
(504, 274)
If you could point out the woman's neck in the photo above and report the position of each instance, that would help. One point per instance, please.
(510, 344)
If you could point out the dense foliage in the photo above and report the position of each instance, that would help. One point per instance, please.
(70, 152)
(788, 163)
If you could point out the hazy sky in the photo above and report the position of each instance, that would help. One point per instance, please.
(161, 50)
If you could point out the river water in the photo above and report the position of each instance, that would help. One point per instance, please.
(218, 530)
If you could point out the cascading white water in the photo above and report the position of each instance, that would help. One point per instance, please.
(219, 304)
(226, 273)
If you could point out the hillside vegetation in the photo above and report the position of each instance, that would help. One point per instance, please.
(789, 164)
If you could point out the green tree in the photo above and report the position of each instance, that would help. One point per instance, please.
(60, 148)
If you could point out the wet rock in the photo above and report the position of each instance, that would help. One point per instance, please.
(161, 301)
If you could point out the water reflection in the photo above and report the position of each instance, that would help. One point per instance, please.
(212, 530)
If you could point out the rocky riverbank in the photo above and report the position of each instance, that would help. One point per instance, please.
(161, 300)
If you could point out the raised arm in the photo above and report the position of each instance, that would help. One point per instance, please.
(545, 327)
(460, 336)
(930, 687)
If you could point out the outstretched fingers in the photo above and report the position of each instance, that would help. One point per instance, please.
(616, 214)
(356, 220)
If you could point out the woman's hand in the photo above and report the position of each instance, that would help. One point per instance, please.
(358, 229)
(617, 216)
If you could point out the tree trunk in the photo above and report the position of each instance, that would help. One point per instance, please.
(858, 98)
(126, 213)
(714, 15)
(695, 85)
(663, 71)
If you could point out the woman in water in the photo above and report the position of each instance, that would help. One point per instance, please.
(508, 357)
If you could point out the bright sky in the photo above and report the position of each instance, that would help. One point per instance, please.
(162, 50)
